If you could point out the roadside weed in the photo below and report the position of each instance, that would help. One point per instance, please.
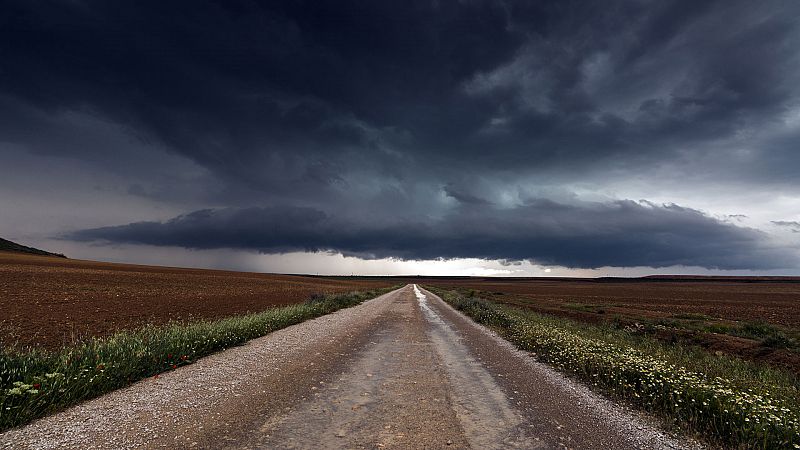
(729, 401)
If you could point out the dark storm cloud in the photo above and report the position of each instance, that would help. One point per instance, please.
(587, 235)
(260, 93)
(364, 115)
(462, 196)
(278, 94)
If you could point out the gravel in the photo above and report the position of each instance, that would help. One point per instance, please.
(173, 409)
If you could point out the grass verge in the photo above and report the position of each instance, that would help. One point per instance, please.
(725, 399)
(34, 383)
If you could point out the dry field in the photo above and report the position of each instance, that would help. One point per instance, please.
(746, 317)
(48, 301)
(772, 302)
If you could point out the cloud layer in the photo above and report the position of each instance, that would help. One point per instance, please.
(414, 129)
(622, 233)
(275, 95)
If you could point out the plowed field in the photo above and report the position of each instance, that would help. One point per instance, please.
(749, 317)
(744, 299)
(48, 301)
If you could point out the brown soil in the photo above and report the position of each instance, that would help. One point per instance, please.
(772, 302)
(49, 301)
(686, 305)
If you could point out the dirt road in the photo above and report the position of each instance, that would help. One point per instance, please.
(403, 370)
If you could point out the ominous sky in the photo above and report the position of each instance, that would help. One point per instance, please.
(474, 137)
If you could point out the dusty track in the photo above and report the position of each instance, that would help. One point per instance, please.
(399, 371)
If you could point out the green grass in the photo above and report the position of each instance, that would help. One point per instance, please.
(725, 399)
(692, 316)
(769, 335)
(584, 307)
(34, 383)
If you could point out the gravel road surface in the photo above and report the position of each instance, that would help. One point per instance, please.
(403, 370)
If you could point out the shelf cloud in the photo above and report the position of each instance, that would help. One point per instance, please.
(622, 233)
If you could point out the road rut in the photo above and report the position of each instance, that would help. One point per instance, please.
(403, 370)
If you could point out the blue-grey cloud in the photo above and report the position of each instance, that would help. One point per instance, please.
(586, 235)
(786, 223)
(792, 225)
(278, 96)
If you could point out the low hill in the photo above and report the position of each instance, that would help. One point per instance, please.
(8, 246)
